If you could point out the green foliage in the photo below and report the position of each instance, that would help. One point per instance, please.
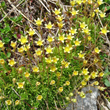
(42, 74)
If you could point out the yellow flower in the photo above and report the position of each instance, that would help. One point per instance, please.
(8, 102)
(69, 36)
(70, 94)
(27, 47)
(101, 88)
(13, 44)
(74, 12)
(67, 64)
(24, 48)
(27, 74)
(20, 84)
(77, 42)
(38, 22)
(101, 74)
(57, 11)
(53, 68)
(86, 31)
(67, 83)
(58, 74)
(14, 80)
(35, 69)
(39, 42)
(72, 31)
(60, 89)
(61, 38)
(31, 32)
(11, 62)
(17, 102)
(94, 75)
(48, 60)
(70, 45)
(21, 49)
(92, 14)
(39, 97)
(48, 49)
(50, 39)
(37, 83)
(96, 83)
(74, 100)
(59, 18)
(52, 82)
(38, 52)
(97, 10)
(55, 59)
(60, 25)
(49, 25)
(81, 55)
(67, 49)
(84, 1)
(95, 60)
(89, 1)
(102, 15)
(84, 61)
(2, 97)
(79, 1)
(82, 94)
(2, 61)
(23, 39)
(100, 2)
(75, 73)
(89, 38)
(67, 98)
(96, 50)
(83, 83)
(85, 71)
(104, 30)
(63, 62)
(1, 44)
(83, 25)
(87, 77)
(72, 2)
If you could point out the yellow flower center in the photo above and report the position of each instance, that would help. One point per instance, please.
(8, 102)
(75, 73)
(38, 52)
(52, 82)
(38, 22)
(60, 89)
(39, 97)
(1, 44)
(35, 69)
(31, 32)
(39, 42)
(23, 40)
(27, 74)
(2, 61)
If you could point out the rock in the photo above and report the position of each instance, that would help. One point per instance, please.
(88, 103)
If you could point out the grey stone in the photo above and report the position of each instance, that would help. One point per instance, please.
(87, 103)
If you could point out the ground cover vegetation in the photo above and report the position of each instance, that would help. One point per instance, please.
(46, 67)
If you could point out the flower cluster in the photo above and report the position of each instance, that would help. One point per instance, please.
(59, 65)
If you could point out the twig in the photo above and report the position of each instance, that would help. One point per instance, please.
(44, 6)
(6, 14)
(24, 16)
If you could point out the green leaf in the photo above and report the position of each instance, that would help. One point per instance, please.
(3, 55)
(8, 54)
(6, 40)
(107, 83)
(3, 4)
(7, 28)
(15, 36)
(24, 96)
